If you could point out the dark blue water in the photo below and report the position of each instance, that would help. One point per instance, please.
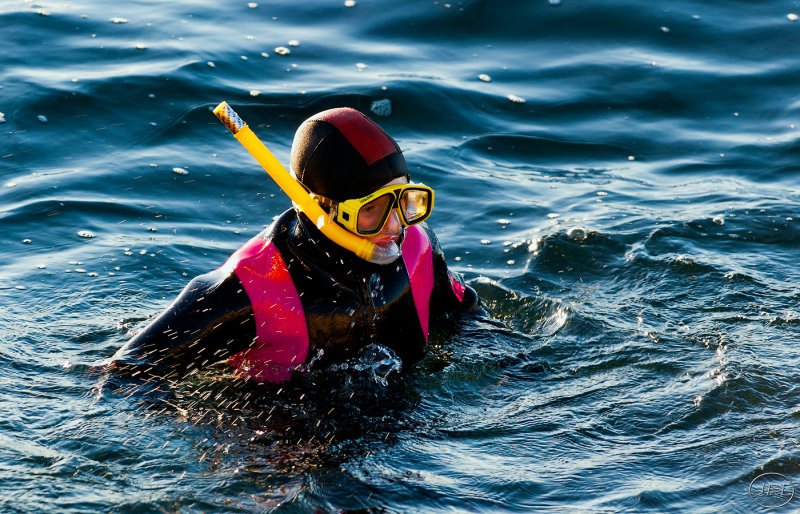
(619, 180)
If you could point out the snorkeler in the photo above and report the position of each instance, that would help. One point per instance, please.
(291, 296)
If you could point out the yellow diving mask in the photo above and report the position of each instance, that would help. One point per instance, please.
(367, 216)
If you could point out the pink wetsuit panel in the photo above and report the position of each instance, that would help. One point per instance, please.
(418, 257)
(281, 331)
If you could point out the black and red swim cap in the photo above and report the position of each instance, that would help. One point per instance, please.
(342, 154)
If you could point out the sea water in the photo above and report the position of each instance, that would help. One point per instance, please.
(618, 180)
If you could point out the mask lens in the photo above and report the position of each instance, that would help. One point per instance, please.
(415, 204)
(372, 215)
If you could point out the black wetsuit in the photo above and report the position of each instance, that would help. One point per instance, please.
(290, 295)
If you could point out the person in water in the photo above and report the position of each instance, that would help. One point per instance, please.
(290, 295)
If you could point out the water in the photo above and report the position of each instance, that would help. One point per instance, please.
(618, 180)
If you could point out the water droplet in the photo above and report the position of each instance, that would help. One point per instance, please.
(484, 77)
(381, 107)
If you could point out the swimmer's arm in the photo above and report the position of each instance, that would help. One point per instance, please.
(209, 321)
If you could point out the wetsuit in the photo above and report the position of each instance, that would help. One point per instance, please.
(290, 296)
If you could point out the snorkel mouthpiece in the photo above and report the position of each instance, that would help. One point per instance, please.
(358, 245)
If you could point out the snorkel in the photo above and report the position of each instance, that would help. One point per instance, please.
(299, 195)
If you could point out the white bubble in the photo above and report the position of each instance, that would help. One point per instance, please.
(381, 107)
(265, 55)
(665, 30)
(252, 5)
(631, 158)
(485, 242)
(510, 262)
(141, 46)
(293, 42)
(503, 221)
(2, 118)
(115, 19)
(553, 215)
(26, 241)
(85, 233)
(180, 171)
(42, 118)
(484, 77)
(361, 66)
(282, 50)
(211, 64)
(255, 92)
(250, 38)
(602, 193)
(718, 220)
(516, 99)
(349, 3)
(792, 16)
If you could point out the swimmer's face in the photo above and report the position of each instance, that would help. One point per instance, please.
(393, 229)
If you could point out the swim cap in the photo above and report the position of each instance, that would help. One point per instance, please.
(341, 154)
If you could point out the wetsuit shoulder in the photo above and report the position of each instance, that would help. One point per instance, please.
(450, 293)
(210, 320)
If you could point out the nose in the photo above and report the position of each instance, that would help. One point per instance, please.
(393, 225)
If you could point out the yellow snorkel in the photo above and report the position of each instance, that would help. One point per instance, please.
(358, 245)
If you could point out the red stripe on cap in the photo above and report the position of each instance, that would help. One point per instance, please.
(368, 140)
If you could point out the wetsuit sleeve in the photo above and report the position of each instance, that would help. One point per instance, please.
(209, 321)
(450, 293)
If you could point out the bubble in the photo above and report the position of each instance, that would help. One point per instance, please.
(250, 38)
(602, 193)
(553, 215)
(86, 234)
(631, 158)
(361, 66)
(554, 2)
(211, 64)
(2, 118)
(665, 30)
(141, 46)
(42, 118)
(349, 3)
(21, 288)
(510, 262)
(293, 42)
(11, 184)
(718, 220)
(485, 242)
(484, 77)
(252, 5)
(265, 55)
(282, 50)
(26, 241)
(791, 16)
(255, 92)
(381, 107)
(119, 20)
(516, 99)
(503, 221)
(180, 171)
